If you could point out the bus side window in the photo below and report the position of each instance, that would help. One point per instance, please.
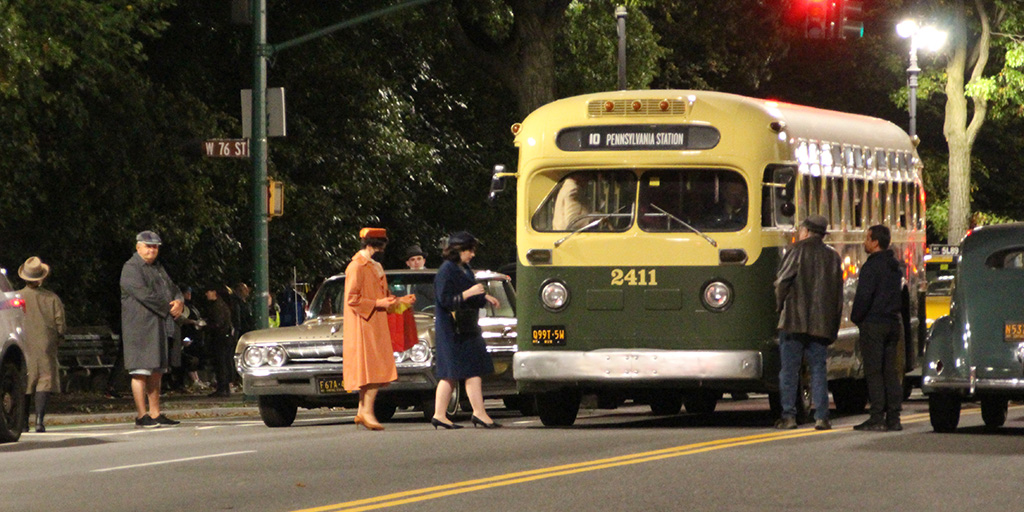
(782, 189)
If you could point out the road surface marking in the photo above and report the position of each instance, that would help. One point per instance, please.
(186, 459)
(441, 491)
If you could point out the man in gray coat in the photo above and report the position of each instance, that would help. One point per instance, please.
(150, 303)
(809, 298)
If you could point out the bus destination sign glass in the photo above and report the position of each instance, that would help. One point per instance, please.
(656, 137)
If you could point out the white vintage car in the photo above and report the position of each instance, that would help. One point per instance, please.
(12, 362)
(301, 366)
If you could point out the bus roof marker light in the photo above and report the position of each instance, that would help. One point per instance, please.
(609, 106)
(663, 105)
(516, 128)
(637, 105)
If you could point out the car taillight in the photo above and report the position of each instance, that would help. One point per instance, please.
(17, 302)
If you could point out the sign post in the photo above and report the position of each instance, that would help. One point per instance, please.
(226, 148)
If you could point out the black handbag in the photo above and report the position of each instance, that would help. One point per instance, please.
(467, 321)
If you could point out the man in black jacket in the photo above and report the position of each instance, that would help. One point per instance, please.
(809, 299)
(876, 311)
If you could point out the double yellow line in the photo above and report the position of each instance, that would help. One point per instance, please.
(441, 491)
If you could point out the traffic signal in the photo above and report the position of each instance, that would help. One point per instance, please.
(816, 21)
(850, 12)
(275, 198)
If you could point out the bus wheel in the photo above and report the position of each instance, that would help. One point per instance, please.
(944, 411)
(850, 395)
(558, 408)
(701, 401)
(666, 402)
(993, 411)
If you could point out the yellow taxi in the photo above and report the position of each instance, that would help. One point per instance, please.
(940, 268)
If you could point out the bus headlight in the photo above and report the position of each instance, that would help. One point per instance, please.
(554, 295)
(717, 296)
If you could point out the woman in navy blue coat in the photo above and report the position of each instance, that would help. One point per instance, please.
(461, 351)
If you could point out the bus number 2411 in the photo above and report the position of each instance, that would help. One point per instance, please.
(634, 277)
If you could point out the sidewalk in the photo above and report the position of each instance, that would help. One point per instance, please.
(82, 408)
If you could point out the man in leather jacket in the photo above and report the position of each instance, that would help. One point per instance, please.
(809, 299)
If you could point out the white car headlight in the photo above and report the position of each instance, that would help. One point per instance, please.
(399, 357)
(254, 356)
(275, 356)
(420, 352)
(717, 296)
(554, 295)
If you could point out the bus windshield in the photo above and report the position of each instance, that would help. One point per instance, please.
(688, 199)
(602, 198)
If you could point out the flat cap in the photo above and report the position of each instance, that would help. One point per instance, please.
(815, 224)
(149, 238)
(373, 233)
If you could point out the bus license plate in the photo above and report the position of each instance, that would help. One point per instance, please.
(330, 385)
(1014, 332)
(549, 335)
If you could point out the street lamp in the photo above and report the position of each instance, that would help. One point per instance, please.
(928, 38)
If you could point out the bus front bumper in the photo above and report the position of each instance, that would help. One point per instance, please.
(618, 366)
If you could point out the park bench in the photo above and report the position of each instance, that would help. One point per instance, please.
(86, 358)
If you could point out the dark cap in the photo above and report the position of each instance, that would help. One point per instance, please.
(815, 224)
(462, 238)
(414, 250)
(148, 237)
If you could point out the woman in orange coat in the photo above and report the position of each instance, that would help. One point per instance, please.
(368, 362)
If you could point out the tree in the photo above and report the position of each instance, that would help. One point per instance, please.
(973, 88)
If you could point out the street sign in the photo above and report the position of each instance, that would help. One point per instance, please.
(226, 148)
(275, 113)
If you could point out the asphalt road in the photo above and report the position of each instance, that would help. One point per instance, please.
(625, 459)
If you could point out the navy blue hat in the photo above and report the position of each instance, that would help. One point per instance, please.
(462, 238)
(149, 238)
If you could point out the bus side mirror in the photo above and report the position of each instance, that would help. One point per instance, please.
(498, 181)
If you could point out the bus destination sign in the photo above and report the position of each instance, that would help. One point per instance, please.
(637, 138)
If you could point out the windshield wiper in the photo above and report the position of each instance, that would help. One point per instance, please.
(592, 223)
(691, 228)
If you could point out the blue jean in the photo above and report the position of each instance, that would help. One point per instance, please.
(792, 350)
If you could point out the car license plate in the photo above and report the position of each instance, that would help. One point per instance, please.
(1014, 332)
(549, 335)
(330, 385)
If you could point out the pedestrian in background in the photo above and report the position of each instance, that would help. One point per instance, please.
(415, 259)
(809, 299)
(220, 340)
(193, 351)
(876, 311)
(368, 362)
(150, 303)
(461, 351)
(44, 330)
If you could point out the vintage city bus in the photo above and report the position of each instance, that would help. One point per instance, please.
(650, 225)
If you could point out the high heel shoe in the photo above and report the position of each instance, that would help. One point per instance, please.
(484, 424)
(438, 423)
(359, 420)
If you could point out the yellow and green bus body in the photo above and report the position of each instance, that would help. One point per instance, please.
(639, 280)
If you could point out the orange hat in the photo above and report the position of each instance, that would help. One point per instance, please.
(373, 233)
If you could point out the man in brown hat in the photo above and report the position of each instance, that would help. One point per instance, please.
(44, 330)
(809, 299)
(150, 302)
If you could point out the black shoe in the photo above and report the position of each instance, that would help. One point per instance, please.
(146, 421)
(164, 420)
(822, 424)
(893, 427)
(438, 423)
(871, 425)
(786, 423)
(484, 424)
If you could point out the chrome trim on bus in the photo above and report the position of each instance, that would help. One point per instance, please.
(627, 365)
(931, 383)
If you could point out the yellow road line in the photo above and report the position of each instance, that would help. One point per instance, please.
(441, 491)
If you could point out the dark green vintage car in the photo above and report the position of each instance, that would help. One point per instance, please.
(976, 353)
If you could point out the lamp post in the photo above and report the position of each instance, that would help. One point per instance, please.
(929, 38)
